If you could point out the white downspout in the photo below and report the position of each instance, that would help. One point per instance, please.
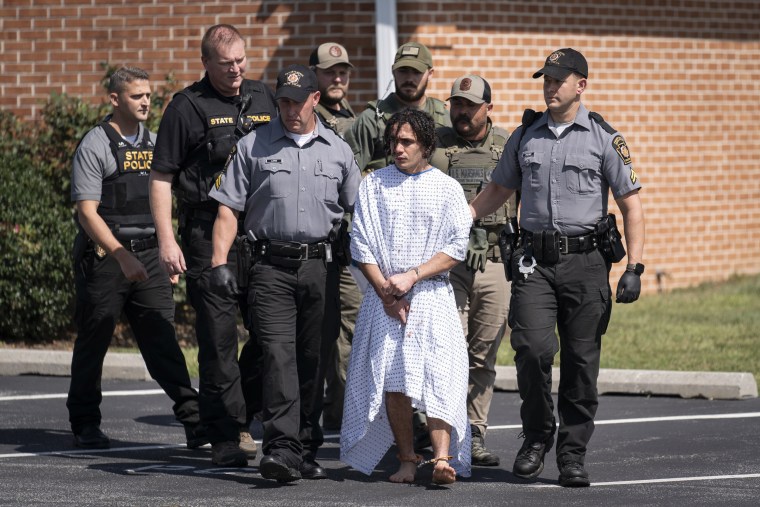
(385, 44)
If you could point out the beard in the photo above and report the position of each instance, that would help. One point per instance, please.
(332, 97)
(414, 96)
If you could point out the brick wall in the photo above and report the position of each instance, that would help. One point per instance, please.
(680, 78)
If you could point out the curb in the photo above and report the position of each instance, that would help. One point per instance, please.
(57, 363)
(686, 384)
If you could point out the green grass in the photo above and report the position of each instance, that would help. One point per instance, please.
(191, 358)
(712, 327)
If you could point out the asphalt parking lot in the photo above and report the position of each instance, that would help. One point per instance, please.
(646, 451)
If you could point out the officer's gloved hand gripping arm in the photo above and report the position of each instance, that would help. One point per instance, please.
(629, 286)
(222, 280)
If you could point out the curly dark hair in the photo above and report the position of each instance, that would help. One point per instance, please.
(422, 125)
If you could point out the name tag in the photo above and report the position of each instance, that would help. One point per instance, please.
(468, 175)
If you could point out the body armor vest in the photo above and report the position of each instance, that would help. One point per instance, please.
(386, 108)
(224, 124)
(472, 168)
(124, 198)
(336, 122)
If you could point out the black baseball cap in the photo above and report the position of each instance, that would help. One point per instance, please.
(562, 63)
(296, 82)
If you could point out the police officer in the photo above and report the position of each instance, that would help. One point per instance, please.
(116, 266)
(199, 128)
(468, 152)
(564, 162)
(412, 70)
(294, 179)
(330, 63)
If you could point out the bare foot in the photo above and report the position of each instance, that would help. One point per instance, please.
(405, 473)
(443, 473)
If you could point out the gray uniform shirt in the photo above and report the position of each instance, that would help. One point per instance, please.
(93, 162)
(289, 193)
(565, 181)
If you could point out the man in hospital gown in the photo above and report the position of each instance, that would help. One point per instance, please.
(411, 226)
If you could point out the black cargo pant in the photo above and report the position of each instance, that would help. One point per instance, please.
(295, 316)
(102, 294)
(574, 296)
(222, 404)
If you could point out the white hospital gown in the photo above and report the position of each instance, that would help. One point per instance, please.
(401, 221)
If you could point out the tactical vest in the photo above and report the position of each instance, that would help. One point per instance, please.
(472, 168)
(338, 123)
(124, 198)
(224, 124)
(386, 108)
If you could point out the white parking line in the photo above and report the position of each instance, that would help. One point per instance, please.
(655, 481)
(92, 451)
(637, 420)
(24, 397)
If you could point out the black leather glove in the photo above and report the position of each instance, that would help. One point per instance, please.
(629, 288)
(222, 281)
(477, 248)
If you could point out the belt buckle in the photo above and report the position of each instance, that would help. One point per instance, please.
(133, 244)
(563, 245)
(304, 252)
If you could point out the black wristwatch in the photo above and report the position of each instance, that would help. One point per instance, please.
(636, 269)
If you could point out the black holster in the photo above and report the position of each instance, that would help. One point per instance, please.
(611, 242)
(508, 238)
(340, 240)
(244, 258)
(80, 247)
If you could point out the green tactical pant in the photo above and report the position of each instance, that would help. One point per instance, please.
(483, 302)
(335, 377)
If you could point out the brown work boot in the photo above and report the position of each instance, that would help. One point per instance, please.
(228, 454)
(481, 457)
(248, 444)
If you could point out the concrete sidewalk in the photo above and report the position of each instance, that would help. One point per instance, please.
(710, 385)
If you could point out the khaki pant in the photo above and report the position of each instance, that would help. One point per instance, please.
(483, 302)
(335, 376)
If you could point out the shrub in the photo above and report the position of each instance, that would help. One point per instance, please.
(37, 227)
(35, 243)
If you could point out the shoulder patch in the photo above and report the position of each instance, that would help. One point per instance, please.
(622, 149)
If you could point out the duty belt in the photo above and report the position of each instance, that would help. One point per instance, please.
(138, 245)
(293, 250)
(567, 244)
